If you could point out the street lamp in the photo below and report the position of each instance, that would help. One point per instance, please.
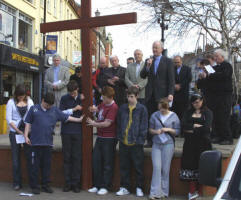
(161, 9)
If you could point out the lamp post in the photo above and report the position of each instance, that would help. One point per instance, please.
(163, 26)
(161, 10)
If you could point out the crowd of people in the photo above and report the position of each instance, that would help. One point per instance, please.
(146, 104)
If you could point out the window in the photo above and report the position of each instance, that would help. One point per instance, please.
(70, 52)
(60, 9)
(7, 25)
(48, 5)
(55, 8)
(60, 43)
(30, 1)
(42, 3)
(67, 17)
(67, 47)
(25, 32)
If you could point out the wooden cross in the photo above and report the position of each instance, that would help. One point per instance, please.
(85, 23)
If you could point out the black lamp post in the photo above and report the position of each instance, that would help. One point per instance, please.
(163, 26)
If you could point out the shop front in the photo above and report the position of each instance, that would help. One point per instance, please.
(17, 66)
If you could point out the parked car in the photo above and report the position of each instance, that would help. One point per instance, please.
(210, 173)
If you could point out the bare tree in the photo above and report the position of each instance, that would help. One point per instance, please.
(219, 19)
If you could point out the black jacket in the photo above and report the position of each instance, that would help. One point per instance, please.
(120, 86)
(220, 82)
(183, 78)
(68, 102)
(162, 83)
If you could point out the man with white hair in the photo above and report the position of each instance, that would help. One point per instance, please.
(218, 86)
(116, 79)
(161, 79)
(56, 79)
(132, 75)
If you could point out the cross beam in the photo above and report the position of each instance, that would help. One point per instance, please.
(92, 22)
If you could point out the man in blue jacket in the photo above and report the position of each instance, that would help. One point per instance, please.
(71, 138)
(132, 125)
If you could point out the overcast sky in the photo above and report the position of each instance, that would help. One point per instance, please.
(127, 38)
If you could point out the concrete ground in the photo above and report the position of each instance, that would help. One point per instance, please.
(6, 193)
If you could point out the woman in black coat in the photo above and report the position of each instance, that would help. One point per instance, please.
(196, 126)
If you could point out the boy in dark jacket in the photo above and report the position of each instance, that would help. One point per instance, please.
(71, 136)
(132, 125)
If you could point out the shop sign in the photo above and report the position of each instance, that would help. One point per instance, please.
(24, 59)
(76, 55)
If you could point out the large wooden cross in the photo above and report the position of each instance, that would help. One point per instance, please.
(86, 23)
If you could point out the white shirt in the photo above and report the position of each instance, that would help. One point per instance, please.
(12, 114)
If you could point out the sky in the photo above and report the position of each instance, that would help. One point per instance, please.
(127, 38)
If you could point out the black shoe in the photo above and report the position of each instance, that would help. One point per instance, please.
(148, 145)
(216, 140)
(47, 189)
(76, 189)
(67, 188)
(226, 142)
(17, 187)
(35, 190)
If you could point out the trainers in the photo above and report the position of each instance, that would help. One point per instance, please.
(151, 197)
(193, 195)
(102, 191)
(47, 189)
(122, 191)
(139, 192)
(93, 190)
(17, 187)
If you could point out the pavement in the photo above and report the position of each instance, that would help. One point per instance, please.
(7, 193)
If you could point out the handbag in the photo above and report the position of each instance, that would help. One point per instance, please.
(188, 175)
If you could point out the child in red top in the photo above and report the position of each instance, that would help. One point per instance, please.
(104, 150)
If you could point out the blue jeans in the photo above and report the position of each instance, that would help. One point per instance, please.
(16, 159)
(161, 160)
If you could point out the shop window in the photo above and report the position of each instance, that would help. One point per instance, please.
(25, 33)
(11, 78)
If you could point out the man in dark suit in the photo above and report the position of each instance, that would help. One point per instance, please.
(161, 79)
(116, 79)
(218, 88)
(183, 77)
